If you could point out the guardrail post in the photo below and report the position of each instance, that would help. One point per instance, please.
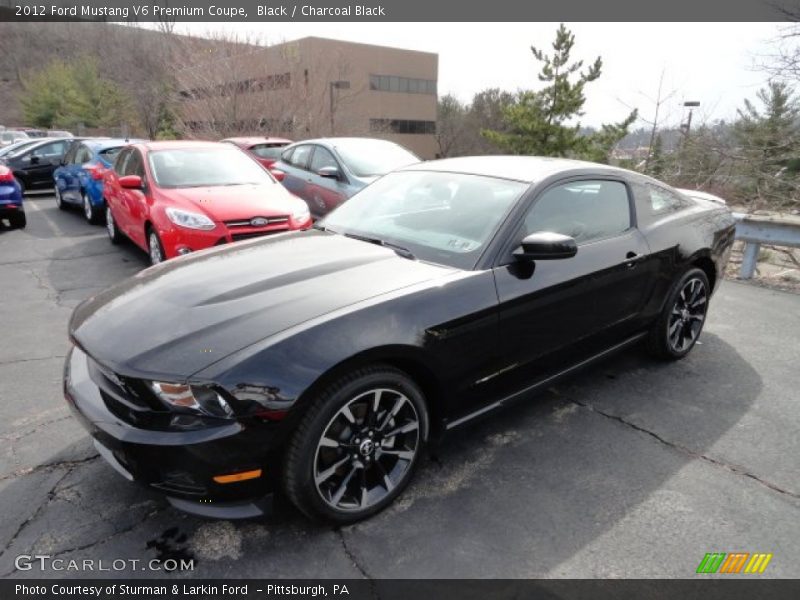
(749, 259)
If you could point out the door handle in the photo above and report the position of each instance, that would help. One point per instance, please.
(633, 259)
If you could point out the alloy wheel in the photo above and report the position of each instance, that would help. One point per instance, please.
(366, 450)
(87, 207)
(155, 248)
(687, 315)
(59, 200)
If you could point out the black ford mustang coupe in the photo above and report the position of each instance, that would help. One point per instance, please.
(321, 362)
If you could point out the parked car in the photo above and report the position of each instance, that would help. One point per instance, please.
(17, 146)
(172, 198)
(79, 179)
(321, 362)
(11, 207)
(266, 150)
(33, 167)
(11, 136)
(58, 133)
(326, 172)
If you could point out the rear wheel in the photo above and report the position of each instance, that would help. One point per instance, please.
(92, 215)
(111, 227)
(676, 331)
(357, 446)
(59, 200)
(155, 249)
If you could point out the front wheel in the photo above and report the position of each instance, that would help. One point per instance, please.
(676, 331)
(155, 249)
(357, 446)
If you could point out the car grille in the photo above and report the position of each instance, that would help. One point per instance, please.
(270, 221)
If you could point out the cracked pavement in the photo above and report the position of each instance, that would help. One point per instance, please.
(631, 469)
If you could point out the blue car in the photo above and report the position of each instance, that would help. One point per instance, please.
(79, 179)
(326, 172)
(11, 199)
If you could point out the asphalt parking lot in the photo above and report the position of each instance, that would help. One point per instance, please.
(632, 469)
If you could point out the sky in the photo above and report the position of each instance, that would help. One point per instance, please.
(713, 63)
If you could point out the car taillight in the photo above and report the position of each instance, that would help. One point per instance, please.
(95, 172)
(6, 175)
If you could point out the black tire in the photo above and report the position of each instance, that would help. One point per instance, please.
(371, 476)
(59, 200)
(153, 244)
(18, 221)
(91, 214)
(114, 235)
(22, 185)
(681, 321)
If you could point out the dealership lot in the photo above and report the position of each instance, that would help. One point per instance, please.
(634, 468)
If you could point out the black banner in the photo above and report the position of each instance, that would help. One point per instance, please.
(398, 10)
(404, 589)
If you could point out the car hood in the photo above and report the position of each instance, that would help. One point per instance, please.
(179, 317)
(228, 203)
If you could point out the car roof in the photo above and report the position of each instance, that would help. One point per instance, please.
(177, 144)
(529, 169)
(111, 143)
(252, 140)
(333, 141)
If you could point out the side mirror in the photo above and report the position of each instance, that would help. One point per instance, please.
(331, 172)
(131, 182)
(546, 245)
(278, 174)
(34, 159)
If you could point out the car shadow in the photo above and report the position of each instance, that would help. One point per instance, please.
(513, 495)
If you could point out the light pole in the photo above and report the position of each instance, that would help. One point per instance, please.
(339, 85)
(691, 105)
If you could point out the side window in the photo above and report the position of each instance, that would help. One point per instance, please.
(663, 201)
(83, 155)
(69, 158)
(322, 158)
(300, 156)
(584, 210)
(51, 151)
(121, 164)
(135, 165)
(287, 156)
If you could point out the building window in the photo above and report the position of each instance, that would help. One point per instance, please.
(402, 126)
(403, 85)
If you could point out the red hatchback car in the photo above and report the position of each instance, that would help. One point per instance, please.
(265, 150)
(172, 198)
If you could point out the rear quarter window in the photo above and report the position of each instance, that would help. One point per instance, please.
(663, 201)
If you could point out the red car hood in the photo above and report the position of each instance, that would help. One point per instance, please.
(228, 203)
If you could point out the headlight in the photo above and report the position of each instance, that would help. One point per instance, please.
(197, 398)
(301, 213)
(191, 220)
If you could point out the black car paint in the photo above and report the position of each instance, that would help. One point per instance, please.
(35, 172)
(273, 337)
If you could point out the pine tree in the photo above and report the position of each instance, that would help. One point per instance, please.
(539, 122)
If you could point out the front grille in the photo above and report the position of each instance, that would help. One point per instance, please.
(238, 237)
(268, 221)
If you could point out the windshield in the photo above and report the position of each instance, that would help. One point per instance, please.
(368, 158)
(445, 218)
(205, 167)
(16, 148)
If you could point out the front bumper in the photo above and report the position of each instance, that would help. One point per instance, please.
(180, 464)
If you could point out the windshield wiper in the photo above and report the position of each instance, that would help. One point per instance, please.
(400, 250)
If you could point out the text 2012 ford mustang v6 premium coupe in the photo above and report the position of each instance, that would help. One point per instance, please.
(321, 362)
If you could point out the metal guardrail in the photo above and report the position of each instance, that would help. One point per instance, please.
(755, 230)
